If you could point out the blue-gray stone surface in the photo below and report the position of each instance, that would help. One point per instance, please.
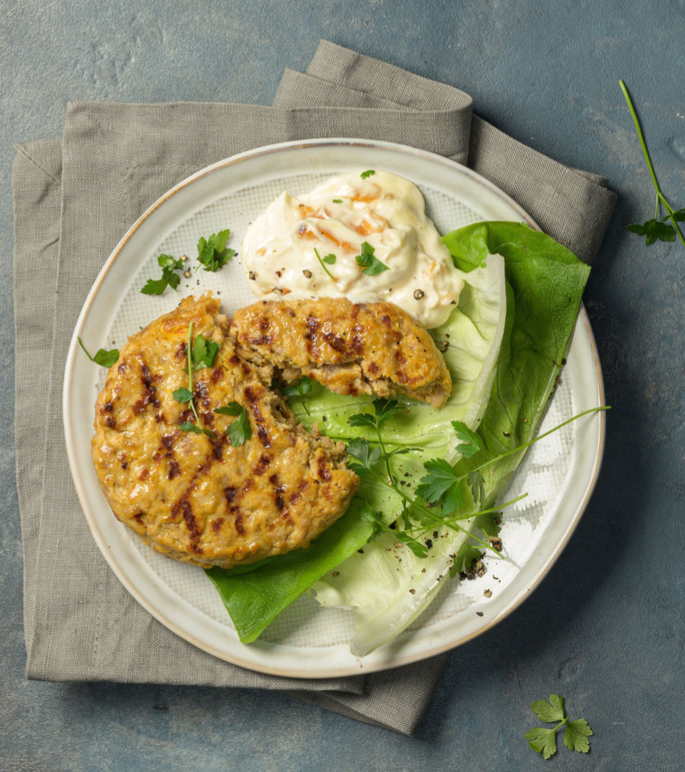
(606, 628)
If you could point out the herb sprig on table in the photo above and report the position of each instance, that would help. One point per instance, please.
(655, 229)
(543, 739)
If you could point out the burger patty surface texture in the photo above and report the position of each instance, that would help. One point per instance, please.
(351, 348)
(194, 497)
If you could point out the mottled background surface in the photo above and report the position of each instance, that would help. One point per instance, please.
(606, 628)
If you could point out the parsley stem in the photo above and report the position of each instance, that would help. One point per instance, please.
(489, 511)
(84, 348)
(659, 195)
(391, 477)
(436, 520)
(190, 373)
(536, 439)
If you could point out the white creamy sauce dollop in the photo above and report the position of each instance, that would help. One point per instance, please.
(279, 251)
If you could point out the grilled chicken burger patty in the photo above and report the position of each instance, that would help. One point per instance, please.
(197, 498)
(351, 348)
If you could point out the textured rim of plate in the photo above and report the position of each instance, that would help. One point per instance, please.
(260, 656)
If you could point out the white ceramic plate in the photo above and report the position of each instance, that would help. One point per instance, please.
(307, 641)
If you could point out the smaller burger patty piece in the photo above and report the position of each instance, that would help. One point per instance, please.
(197, 498)
(351, 348)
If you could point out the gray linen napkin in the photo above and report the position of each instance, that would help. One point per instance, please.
(73, 200)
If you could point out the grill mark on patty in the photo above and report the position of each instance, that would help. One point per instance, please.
(312, 336)
(217, 449)
(230, 495)
(149, 392)
(181, 351)
(335, 342)
(186, 416)
(192, 526)
(357, 344)
(324, 471)
(174, 469)
(301, 488)
(217, 523)
(261, 465)
(263, 436)
(278, 490)
(182, 509)
(253, 399)
(202, 394)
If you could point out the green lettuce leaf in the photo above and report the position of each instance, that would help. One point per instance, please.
(545, 283)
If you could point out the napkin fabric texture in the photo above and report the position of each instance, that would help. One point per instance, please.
(74, 198)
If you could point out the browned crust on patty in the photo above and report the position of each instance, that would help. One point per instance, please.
(196, 498)
(351, 348)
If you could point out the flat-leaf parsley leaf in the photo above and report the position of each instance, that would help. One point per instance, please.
(212, 253)
(368, 173)
(238, 431)
(169, 266)
(370, 264)
(204, 351)
(543, 740)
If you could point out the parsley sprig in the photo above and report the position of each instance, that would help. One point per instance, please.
(369, 264)
(201, 354)
(170, 278)
(654, 229)
(543, 739)
(102, 357)
(417, 515)
(439, 499)
(326, 259)
(212, 253)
